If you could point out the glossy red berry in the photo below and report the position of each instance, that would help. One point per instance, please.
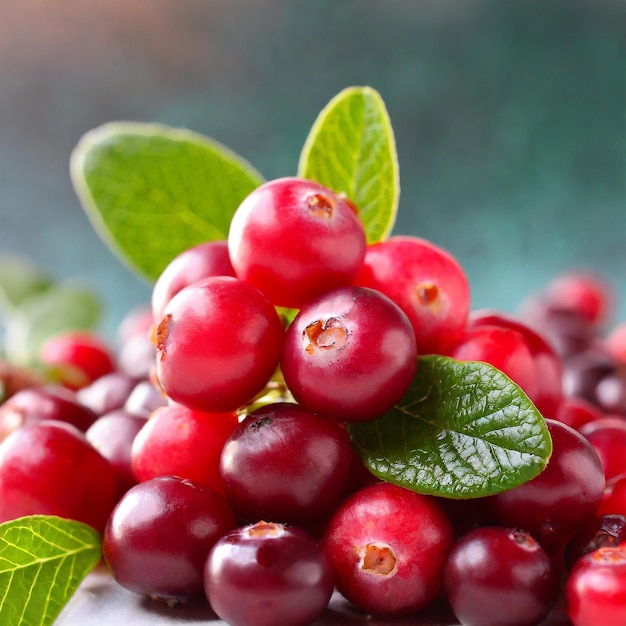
(608, 438)
(182, 442)
(596, 588)
(79, 357)
(349, 355)
(268, 574)
(159, 535)
(194, 264)
(286, 464)
(294, 239)
(497, 576)
(49, 468)
(218, 345)
(388, 546)
(426, 282)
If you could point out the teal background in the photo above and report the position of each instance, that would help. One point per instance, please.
(510, 118)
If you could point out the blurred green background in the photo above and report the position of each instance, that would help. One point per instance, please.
(510, 118)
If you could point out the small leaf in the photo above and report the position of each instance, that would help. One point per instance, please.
(351, 149)
(19, 278)
(64, 306)
(43, 559)
(152, 191)
(462, 430)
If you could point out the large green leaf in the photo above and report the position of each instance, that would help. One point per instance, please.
(351, 149)
(152, 191)
(462, 430)
(43, 559)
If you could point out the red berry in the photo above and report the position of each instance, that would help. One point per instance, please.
(426, 282)
(388, 546)
(596, 588)
(295, 239)
(268, 574)
(217, 345)
(49, 468)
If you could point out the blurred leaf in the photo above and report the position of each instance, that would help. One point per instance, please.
(152, 191)
(43, 560)
(351, 149)
(64, 306)
(463, 430)
(19, 279)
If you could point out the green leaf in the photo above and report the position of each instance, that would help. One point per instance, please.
(64, 306)
(351, 149)
(43, 559)
(462, 430)
(152, 191)
(19, 279)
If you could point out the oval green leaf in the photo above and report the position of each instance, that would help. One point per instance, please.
(351, 149)
(64, 306)
(19, 279)
(152, 191)
(462, 430)
(43, 559)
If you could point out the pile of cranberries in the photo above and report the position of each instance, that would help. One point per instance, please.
(211, 450)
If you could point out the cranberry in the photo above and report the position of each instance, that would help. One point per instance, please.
(80, 357)
(287, 464)
(144, 399)
(182, 442)
(498, 576)
(615, 343)
(548, 393)
(427, 283)
(160, 534)
(137, 322)
(577, 412)
(388, 546)
(295, 239)
(583, 373)
(614, 501)
(504, 348)
(218, 345)
(112, 435)
(349, 355)
(201, 261)
(107, 393)
(600, 532)
(596, 588)
(611, 393)
(268, 574)
(608, 438)
(562, 498)
(49, 402)
(49, 468)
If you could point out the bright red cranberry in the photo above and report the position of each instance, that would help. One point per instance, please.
(428, 284)
(349, 355)
(498, 576)
(112, 435)
(504, 348)
(295, 239)
(49, 468)
(49, 402)
(584, 294)
(596, 588)
(80, 357)
(286, 464)
(107, 393)
(181, 442)
(159, 536)
(562, 498)
(608, 438)
(548, 392)
(382, 540)
(614, 501)
(268, 574)
(194, 264)
(576, 412)
(218, 345)
(601, 532)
